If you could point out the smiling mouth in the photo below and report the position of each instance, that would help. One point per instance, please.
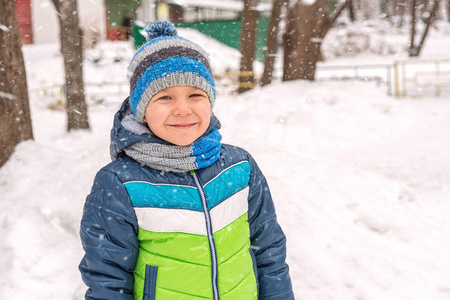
(182, 126)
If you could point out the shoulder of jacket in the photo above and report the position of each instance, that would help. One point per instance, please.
(233, 154)
(124, 168)
(235, 151)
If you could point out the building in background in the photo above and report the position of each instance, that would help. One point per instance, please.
(23, 12)
(38, 21)
(104, 19)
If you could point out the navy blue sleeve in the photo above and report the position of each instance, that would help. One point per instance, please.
(268, 241)
(109, 238)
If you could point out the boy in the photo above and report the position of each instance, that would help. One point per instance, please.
(177, 214)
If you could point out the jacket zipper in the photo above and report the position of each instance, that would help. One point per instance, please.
(209, 231)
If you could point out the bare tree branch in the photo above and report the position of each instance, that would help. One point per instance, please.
(430, 18)
(334, 16)
(414, 50)
(272, 41)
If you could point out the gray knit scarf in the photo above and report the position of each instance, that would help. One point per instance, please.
(179, 159)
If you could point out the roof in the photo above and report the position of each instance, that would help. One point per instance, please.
(219, 4)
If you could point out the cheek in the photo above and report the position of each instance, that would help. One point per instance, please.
(206, 115)
(205, 109)
(154, 118)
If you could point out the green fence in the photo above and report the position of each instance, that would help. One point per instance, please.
(227, 32)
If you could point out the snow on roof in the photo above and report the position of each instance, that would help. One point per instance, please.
(219, 4)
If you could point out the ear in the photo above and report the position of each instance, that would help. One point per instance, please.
(144, 119)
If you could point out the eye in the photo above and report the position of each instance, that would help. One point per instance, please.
(198, 95)
(162, 98)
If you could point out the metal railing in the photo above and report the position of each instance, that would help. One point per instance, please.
(411, 78)
(418, 78)
(381, 74)
(57, 91)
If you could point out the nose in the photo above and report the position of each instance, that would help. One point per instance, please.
(182, 107)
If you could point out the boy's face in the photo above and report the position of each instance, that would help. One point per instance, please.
(179, 114)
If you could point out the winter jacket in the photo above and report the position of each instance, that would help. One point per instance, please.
(211, 233)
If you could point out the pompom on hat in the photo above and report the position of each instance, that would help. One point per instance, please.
(167, 60)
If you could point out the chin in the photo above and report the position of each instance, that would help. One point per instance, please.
(183, 143)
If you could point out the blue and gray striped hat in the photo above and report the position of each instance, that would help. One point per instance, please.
(167, 60)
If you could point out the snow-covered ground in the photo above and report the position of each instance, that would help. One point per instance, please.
(360, 179)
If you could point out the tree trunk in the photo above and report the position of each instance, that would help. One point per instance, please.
(307, 25)
(447, 5)
(15, 118)
(351, 11)
(400, 10)
(414, 50)
(301, 41)
(412, 44)
(272, 42)
(72, 52)
(248, 45)
(385, 11)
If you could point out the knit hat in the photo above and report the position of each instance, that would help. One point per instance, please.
(166, 60)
